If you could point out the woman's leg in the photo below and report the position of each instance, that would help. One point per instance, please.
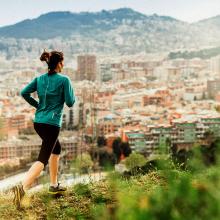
(49, 136)
(55, 187)
(54, 163)
(53, 168)
(32, 174)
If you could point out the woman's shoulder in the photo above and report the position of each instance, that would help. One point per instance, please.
(57, 75)
(62, 76)
(42, 75)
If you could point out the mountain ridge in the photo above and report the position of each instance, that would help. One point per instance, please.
(119, 31)
(65, 21)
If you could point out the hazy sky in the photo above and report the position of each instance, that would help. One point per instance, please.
(12, 11)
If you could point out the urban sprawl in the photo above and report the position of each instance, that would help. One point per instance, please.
(146, 100)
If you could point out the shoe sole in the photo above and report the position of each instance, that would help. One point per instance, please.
(17, 197)
(54, 193)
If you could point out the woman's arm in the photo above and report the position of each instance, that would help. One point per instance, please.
(68, 93)
(30, 88)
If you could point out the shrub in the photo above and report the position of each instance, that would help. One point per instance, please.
(82, 190)
(134, 161)
(83, 163)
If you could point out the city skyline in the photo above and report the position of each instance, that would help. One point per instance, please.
(189, 11)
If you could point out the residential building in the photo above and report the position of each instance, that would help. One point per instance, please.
(86, 67)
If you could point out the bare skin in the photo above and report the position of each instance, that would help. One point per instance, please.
(32, 174)
(53, 168)
(36, 169)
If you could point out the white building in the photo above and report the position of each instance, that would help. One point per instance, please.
(215, 65)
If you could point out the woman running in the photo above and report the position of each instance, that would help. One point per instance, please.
(53, 89)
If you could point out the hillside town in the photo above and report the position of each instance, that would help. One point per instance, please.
(147, 100)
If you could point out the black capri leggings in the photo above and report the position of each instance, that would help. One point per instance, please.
(50, 143)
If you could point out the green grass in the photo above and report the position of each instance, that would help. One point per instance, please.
(163, 194)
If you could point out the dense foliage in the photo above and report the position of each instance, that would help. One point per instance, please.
(166, 192)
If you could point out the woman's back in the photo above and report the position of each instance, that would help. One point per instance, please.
(53, 90)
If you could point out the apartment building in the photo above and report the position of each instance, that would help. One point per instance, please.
(25, 150)
(86, 67)
(213, 88)
(158, 138)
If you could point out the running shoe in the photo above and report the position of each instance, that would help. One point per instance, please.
(19, 193)
(57, 190)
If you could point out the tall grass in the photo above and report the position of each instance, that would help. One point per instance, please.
(166, 191)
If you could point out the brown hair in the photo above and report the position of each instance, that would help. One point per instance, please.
(52, 59)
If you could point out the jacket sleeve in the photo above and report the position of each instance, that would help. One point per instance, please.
(69, 95)
(27, 90)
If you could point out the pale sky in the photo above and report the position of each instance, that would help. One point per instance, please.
(13, 11)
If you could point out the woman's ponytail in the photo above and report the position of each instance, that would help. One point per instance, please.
(52, 59)
(45, 57)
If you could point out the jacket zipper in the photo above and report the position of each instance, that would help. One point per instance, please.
(46, 91)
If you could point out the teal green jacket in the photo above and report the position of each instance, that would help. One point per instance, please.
(53, 91)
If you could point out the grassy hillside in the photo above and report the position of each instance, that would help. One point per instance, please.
(162, 194)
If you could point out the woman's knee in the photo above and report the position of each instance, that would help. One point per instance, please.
(44, 162)
(57, 149)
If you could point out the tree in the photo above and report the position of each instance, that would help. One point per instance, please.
(125, 149)
(120, 148)
(106, 158)
(83, 163)
(134, 161)
(210, 152)
(101, 141)
(209, 137)
(116, 148)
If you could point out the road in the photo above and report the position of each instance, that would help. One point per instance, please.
(67, 180)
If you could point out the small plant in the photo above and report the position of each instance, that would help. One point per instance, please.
(101, 192)
(83, 163)
(135, 161)
(82, 190)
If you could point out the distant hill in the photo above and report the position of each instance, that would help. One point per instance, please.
(64, 24)
(203, 54)
(214, 21)
(121, 31)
